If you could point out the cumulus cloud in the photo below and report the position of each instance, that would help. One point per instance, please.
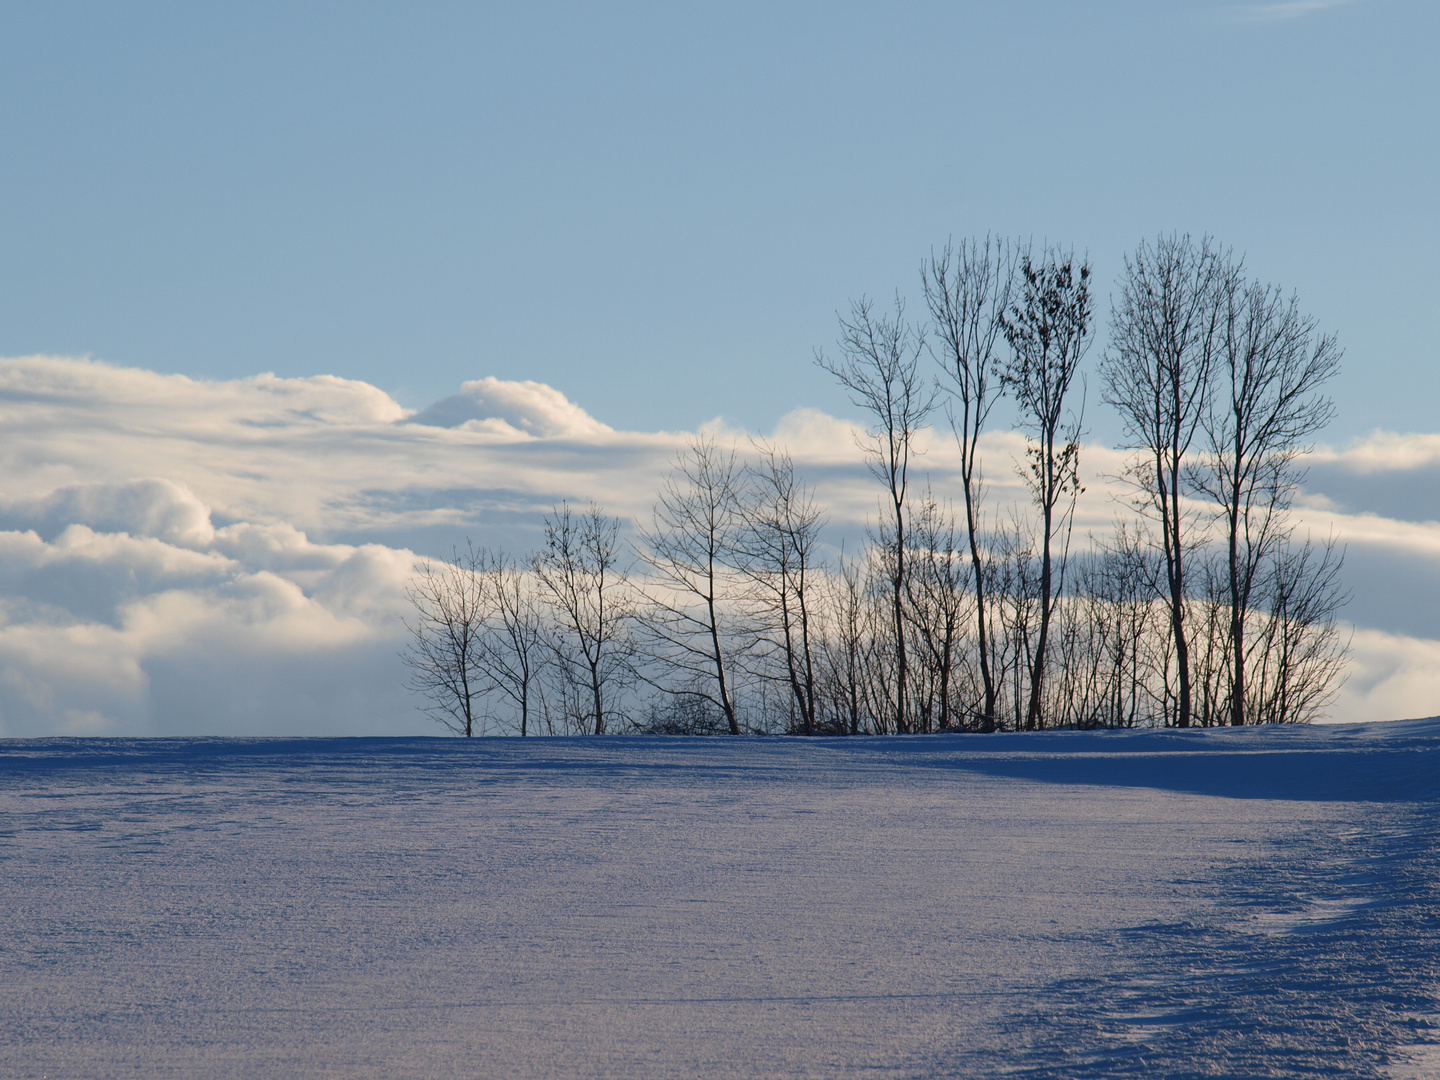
(513, 408)
(255, 629)
(155, 508)
(186, 556)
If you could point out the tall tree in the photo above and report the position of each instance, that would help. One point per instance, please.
(967, 289)
(1166, 329)
(1273, 363)
(1049, 330)
(584, 579)
(691, 547)
(879, 364)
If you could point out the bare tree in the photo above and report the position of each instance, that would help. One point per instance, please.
(1166, 330)
(1209, 621)
(937, 600)
(1117, 659)
(879, 364)
(1273, 362)
(1049, 330)
(780, 556)
(1012, 590)
(847, 648)
(512, 643)
(690, 549)
(1301, 653)
(586, 586)
(450, 602)
(967, 289)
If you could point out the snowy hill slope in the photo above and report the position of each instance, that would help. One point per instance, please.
(1247, 903)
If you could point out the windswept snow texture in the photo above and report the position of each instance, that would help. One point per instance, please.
(1158, 904)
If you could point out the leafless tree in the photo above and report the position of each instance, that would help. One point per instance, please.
(1166, 330)
(1112, 682)
(512, 642)
(1013, 591)
(1272, 365)
(847, 648)
(939, 605)
(587, 588)
(1209, 621)
(780, 556)
(450, 603)
(1049, 330)
(968, 290)
(879, 364)
(1297, 671)
(690, 548)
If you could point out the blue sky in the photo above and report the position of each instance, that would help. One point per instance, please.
(658, 209)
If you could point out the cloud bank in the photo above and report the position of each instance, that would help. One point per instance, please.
(188, 557)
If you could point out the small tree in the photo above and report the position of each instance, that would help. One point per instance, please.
(1111, 617)
(585, 584)
(450, 602)
(847, 649)
(1012, 589)
(690, 548)
(1302, 652)
(938, 602)
(512, 645)
(780, 556)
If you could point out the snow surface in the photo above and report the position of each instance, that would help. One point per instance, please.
(1160, 904)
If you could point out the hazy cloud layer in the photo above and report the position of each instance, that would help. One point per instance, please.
(180, 556)
(1394, 476)
(1283, 10)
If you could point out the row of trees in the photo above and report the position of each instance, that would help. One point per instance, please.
(726, 611)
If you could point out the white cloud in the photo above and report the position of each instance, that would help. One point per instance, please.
(513, 408)
(1383, 451)
(111, 447)
(166, 625)
(187, 556)
(158, 508)
(167, 640)
(1419, 538)
(1391, 677)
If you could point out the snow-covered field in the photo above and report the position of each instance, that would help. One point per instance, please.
(1249, 903)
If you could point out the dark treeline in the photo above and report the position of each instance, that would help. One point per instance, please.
(725, 612)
